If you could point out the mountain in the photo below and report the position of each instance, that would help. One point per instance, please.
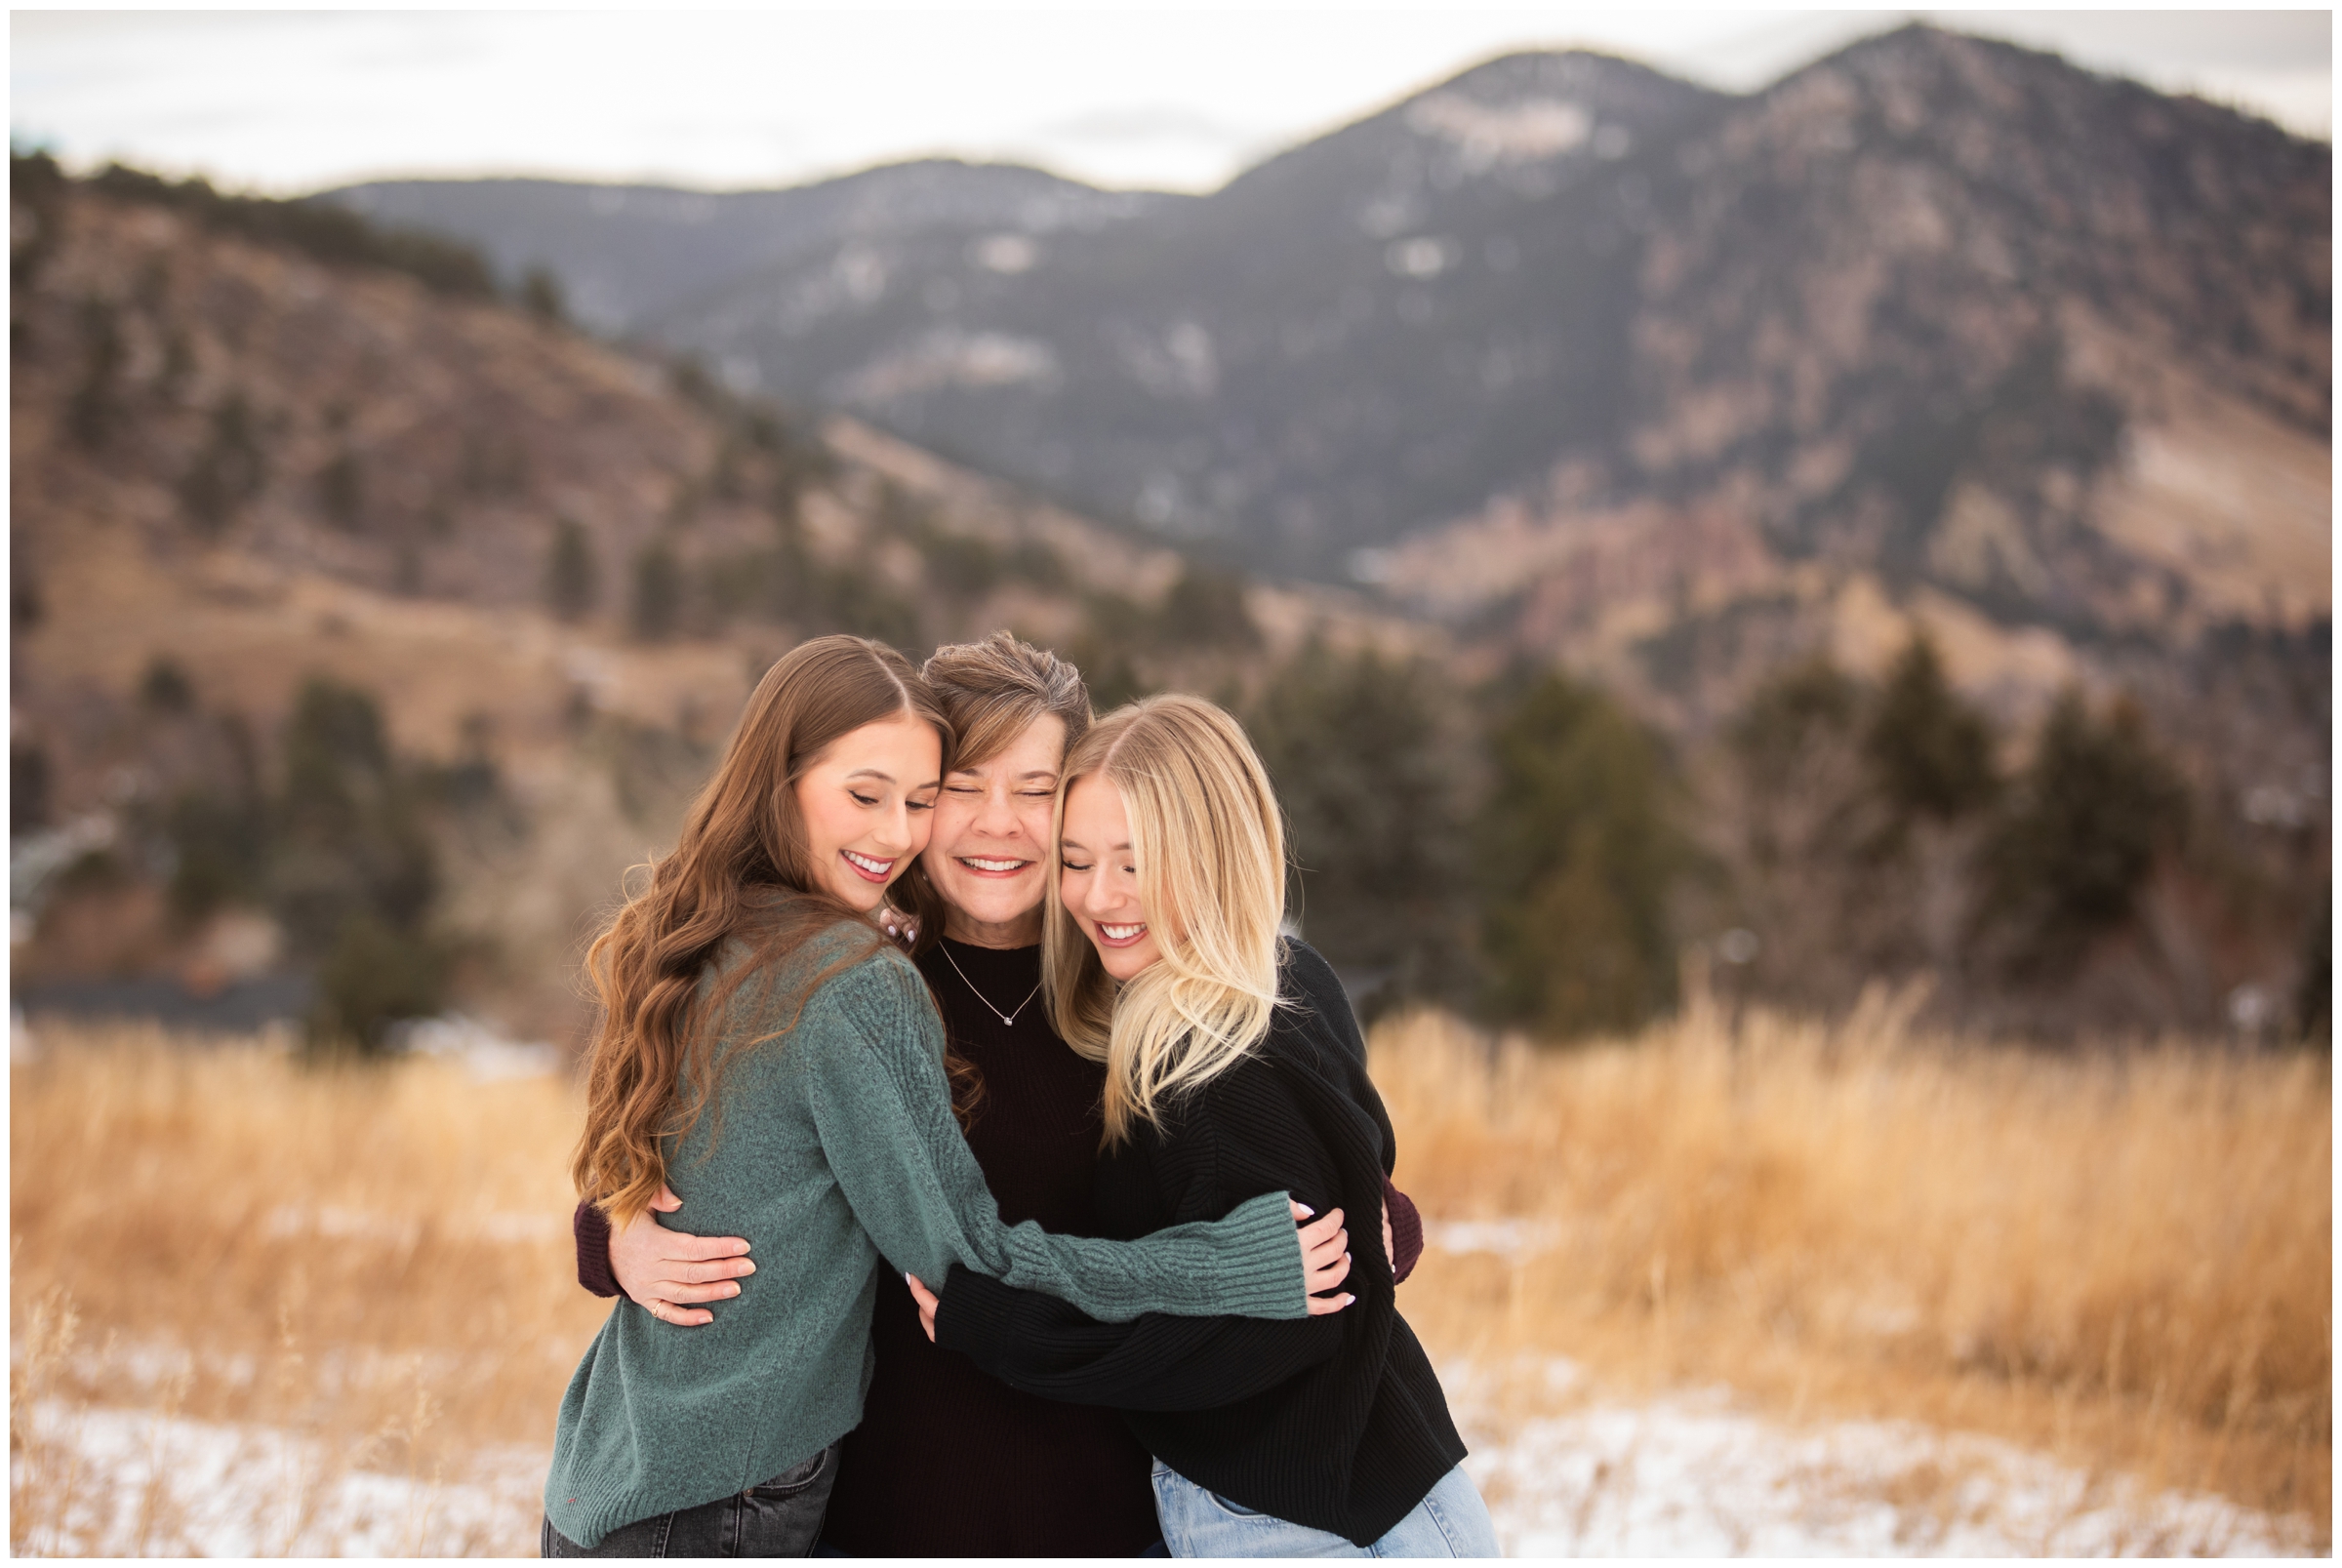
(1946, 315)
(550, 569)
(628, 255)
(1367, 333)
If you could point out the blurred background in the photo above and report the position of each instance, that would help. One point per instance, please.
(1781, 564)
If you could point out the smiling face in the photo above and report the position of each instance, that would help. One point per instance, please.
(988, 857)
(1098, 879)
(868, 804)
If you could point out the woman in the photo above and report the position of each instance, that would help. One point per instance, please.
(768, 1054)
(1233, 1066)
(1025, 1476)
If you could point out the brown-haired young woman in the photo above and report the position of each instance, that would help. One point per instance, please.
(768, 1054)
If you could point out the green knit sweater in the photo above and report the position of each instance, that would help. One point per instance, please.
(835, 1152)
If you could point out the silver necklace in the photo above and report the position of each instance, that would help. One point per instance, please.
(1007, 1020)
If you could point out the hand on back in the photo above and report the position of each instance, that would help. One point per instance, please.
(666, 1271)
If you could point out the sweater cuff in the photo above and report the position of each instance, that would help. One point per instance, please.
(1260, 1269)
(591, 1228)
(973, 1314)
(1406, 1232)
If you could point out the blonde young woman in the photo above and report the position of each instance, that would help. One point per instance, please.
(768, 1054)
(1233, 1067)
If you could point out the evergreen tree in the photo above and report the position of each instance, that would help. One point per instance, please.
(1577, 853)
(351, 871)
(2314, 993)
(572, 580)
(91, 413)
(229, 471)
(1931, 754)
(541, 296)
(2092, 809)
(1205, 609)
(1368, 780)
(658, 592)
(342, 489)
(1787, 716)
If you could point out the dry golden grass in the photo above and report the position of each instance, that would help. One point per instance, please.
(2121, 1259)
(374, 1259)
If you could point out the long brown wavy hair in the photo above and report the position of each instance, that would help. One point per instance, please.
(743, 843)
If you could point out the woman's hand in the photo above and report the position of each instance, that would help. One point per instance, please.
(664, 1270)
(899, 926)
(1324, 1258)
(927, 1305)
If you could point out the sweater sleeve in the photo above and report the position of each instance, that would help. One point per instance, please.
(1320, 991)
(1043, 1346)
(1406, 1232)
(591, 1228)
(883, 1108)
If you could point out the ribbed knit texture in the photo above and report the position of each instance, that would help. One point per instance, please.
(838, 1159)
(1406, 1234)
(1338, 1422)
(589, 1227)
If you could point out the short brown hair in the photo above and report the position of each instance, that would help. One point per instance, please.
(994, 688)
(990, 690)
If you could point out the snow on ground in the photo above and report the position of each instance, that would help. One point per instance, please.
(1695, 1475)
(101, 1482)
(1681, 1475)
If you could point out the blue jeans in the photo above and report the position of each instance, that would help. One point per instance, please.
(1451, 1522)
(780, 1518)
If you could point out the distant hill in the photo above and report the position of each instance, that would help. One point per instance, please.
(1563, 267)
(628, 255)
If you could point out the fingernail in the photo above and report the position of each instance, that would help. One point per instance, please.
(1346, 1299)
(1307, 1211)
(734, 1291)
(752, 1269)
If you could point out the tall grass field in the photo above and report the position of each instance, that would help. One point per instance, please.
(347, 1295)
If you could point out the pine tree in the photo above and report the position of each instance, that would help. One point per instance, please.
(572, 580)
(1931, 754)
(1577, 853)
(658, 592)
(2092, 810)
(1367, 775)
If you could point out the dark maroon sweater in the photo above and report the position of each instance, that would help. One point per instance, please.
(949, 1461)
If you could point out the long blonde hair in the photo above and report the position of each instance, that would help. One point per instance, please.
(1210, 845)
(742, 840)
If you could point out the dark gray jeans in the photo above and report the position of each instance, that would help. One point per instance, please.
(780, 1518)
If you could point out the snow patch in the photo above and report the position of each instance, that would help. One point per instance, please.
(105, 1482)
(1525, 131)
(1694, 1475)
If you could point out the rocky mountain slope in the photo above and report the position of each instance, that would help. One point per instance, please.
(1585, 362)
(616, 247)
(1565, 276)
(553, 570)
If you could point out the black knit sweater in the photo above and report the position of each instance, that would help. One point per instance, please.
(1337, 1422)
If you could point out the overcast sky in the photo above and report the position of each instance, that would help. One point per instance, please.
(290, 101)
